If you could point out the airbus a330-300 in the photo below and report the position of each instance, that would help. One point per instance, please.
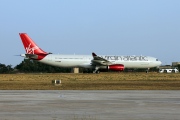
(95, 62)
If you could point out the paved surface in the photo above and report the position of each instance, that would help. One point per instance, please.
(89, 105)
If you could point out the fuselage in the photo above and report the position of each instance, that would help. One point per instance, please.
(85, 61)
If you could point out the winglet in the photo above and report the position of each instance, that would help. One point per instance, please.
(93, 54)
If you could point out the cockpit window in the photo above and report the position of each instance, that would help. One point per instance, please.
(157, 60)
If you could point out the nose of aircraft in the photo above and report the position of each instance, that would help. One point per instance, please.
(159, 63)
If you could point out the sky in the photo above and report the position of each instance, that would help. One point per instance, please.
(106, 27)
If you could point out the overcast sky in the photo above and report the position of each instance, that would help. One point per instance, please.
(106, 27)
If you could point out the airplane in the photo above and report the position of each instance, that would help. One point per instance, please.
(95, 62)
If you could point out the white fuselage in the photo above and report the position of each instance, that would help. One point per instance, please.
(85, 61)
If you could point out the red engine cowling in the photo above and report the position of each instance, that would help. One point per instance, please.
(116, 67)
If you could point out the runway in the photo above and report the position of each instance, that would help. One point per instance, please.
(89, 105)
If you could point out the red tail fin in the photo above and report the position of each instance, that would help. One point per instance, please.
(30, 46)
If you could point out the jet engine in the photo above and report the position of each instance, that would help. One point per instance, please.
(116, 67)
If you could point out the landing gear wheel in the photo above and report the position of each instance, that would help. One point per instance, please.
(147, 70)
(97, 72)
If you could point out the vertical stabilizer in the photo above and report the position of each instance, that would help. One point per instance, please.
(32, 50)
(30, 46)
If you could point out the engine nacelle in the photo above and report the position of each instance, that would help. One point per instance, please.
(116, 67)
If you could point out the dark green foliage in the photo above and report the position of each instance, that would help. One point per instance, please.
(5, 69)
(178, 66)
(155, 69)
(32, 66)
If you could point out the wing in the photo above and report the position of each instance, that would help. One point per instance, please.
(97, 60)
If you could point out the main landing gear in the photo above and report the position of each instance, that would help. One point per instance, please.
(96, 70)
(147, 71)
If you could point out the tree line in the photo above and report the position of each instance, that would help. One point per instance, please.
(31, 66)
(5, 68)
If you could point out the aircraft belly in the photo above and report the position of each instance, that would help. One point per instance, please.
(136, 64)
(67, 63)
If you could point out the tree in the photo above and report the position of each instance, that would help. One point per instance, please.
(5, 69)
(33, 66)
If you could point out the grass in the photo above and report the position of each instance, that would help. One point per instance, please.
(102, 81)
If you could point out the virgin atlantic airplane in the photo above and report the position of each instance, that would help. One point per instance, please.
(95, 62)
